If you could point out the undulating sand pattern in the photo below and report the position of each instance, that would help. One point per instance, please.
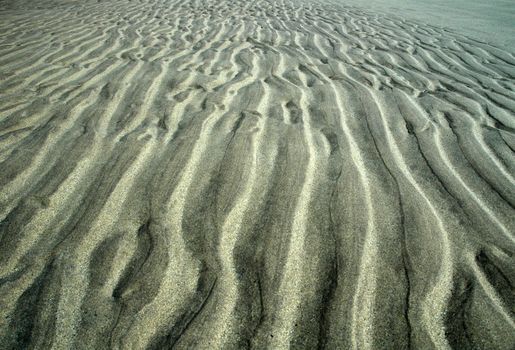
(252, 174)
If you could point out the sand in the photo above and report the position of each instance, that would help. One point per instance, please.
(252, 174)
(490, 21)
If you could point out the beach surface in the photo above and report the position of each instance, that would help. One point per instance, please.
(491, 21)
(261, 174)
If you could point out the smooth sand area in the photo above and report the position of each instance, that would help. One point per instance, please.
(264, 174)
(491, 21)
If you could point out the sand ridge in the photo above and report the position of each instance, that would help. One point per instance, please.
(270, 174)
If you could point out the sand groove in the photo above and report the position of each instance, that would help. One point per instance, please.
(235, 174)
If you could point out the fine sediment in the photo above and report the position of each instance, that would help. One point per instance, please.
(252, 174)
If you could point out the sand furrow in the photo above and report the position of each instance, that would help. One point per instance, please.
(435, 301)
(20, 183)
(293, 270)
(229, 235)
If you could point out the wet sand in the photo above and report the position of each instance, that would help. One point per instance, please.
(267, 175)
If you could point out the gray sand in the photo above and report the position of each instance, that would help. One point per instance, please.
(262, 174)
(492, 21)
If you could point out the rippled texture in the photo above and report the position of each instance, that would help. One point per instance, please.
(252, 174)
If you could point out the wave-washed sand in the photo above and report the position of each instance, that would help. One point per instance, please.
(252, 174)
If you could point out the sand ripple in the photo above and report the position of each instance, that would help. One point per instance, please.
(252, 174)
